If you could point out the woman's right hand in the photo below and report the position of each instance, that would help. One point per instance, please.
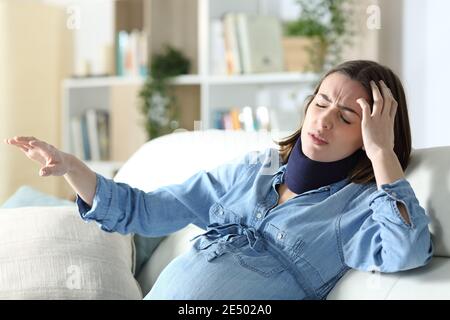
(53, 161)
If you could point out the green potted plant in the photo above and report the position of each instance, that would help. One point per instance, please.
(158, 103)
(316, 39)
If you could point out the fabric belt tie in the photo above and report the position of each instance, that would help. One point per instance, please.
(229, 236)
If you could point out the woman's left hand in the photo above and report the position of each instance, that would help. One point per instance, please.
(378, 128)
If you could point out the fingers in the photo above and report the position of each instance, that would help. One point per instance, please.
(44, 172)
(46, 150)
(20, 140)
(377, 99)
(389, 100)
(49, 170)
(20, 144)
(393, 103)
(365, 108)
(393, 110)
(28, 142)
(43, 152)
(23, 148)
(39, 144)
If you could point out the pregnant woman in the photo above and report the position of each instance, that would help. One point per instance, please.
(336, 199)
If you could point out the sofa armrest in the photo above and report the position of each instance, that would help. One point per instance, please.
(429, 282)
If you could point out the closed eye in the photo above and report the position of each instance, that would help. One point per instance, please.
(343, 119)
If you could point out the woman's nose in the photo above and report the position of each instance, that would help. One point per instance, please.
(326, 119)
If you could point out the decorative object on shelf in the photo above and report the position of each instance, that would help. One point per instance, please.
(246, 119)
(159, 104)
(315, 41)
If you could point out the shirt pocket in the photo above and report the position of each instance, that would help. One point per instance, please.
(220, 214)
(263, 263)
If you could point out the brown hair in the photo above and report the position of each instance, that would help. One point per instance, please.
(364, 71)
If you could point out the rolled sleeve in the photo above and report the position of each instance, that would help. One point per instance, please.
(376, 236)
(383, 203)
(100, 211)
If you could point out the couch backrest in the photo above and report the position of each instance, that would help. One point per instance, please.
(175, 157)
(429, 176)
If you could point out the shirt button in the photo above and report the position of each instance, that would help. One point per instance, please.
(221, 211)
(280, 236)
(259, 215)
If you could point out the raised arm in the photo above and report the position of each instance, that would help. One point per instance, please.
(375, 236)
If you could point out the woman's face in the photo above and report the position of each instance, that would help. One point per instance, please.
(327, 117)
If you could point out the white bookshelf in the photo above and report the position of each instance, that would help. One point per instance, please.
(214, 92)
(118, 81)
(249, 79)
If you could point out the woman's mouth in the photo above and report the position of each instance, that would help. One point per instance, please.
(317, 140)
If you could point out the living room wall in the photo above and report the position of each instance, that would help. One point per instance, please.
(35, 55)
(426, 69)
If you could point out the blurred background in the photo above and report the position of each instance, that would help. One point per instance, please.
(98, 78)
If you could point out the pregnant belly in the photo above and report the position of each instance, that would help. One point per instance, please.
(230, 276)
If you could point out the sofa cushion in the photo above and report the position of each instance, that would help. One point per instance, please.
(429, 176)
(27, 196)
(50, 253)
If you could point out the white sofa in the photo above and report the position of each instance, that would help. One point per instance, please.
(188, 152)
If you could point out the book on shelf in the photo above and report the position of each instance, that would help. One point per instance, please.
(131, 53)
(246, 119)
(260, 43)
(232, 54)
(217, 48)
(90, 135)
(246, 43)
(85, 138)
(103, 134)
(76, 130)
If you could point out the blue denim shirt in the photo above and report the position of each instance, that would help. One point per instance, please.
(254, 249)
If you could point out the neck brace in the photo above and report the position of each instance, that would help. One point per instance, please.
(304, 174)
